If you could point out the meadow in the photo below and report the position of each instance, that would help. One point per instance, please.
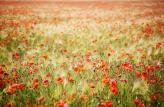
(81, 54)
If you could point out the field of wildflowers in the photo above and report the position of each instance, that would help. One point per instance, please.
(107, 54)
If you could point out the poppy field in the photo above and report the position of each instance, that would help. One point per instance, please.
(82, 54)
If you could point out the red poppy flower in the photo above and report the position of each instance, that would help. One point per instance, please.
(71, 97)
(21, 86)
(45, 56)
(153, 80)
(16, 56)
(40, 99)
(11, 89)
(145, 74)
(9, 105)
(48, 74)
(98, 79)
(147, 30)
(114, 90)
(108, 103)
(108, 54)
(138, 74)
(1, 71)
(84, 97)
(141, 105)
(92, 85)
(88, 54)
(2, 83)
(150, 68)
(140, 64)
(101, 105)
(123, 81)
(158, 45)
(61, 103)
(113, 83)
(78, 69)
(113, 87)
(88, 60)
(35, 83)
(127, 66)
(153, 97)
(30, 63)
(70, 79)
(106, 80)
(137, 100)
(45, 82)
(35, 80)
(59, 79)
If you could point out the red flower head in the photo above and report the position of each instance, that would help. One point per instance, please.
(61, 103)
(1, 71)
(147, 30)
(88, 54)
(153, 97)
(40, 99)
(114, 90)
(11, 89)
(2, 84)
(92, 85)
(45, 82)
(21, 86)
(108, 54)
(138, 74)
(9, 105)
(113, 87)
(158, 45)
(59, 79)
(78, 69)
(108, 103)
(137, 100)
(141, 105)
(35, 83)
(30, 63)
(113, 83)
(70, 79)
(145, 74)
(48, 74)
(127, 66)
(84, 97)
(153, 80)
(106, 80)
(16, 56)
(150, 68)
(101, 105)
